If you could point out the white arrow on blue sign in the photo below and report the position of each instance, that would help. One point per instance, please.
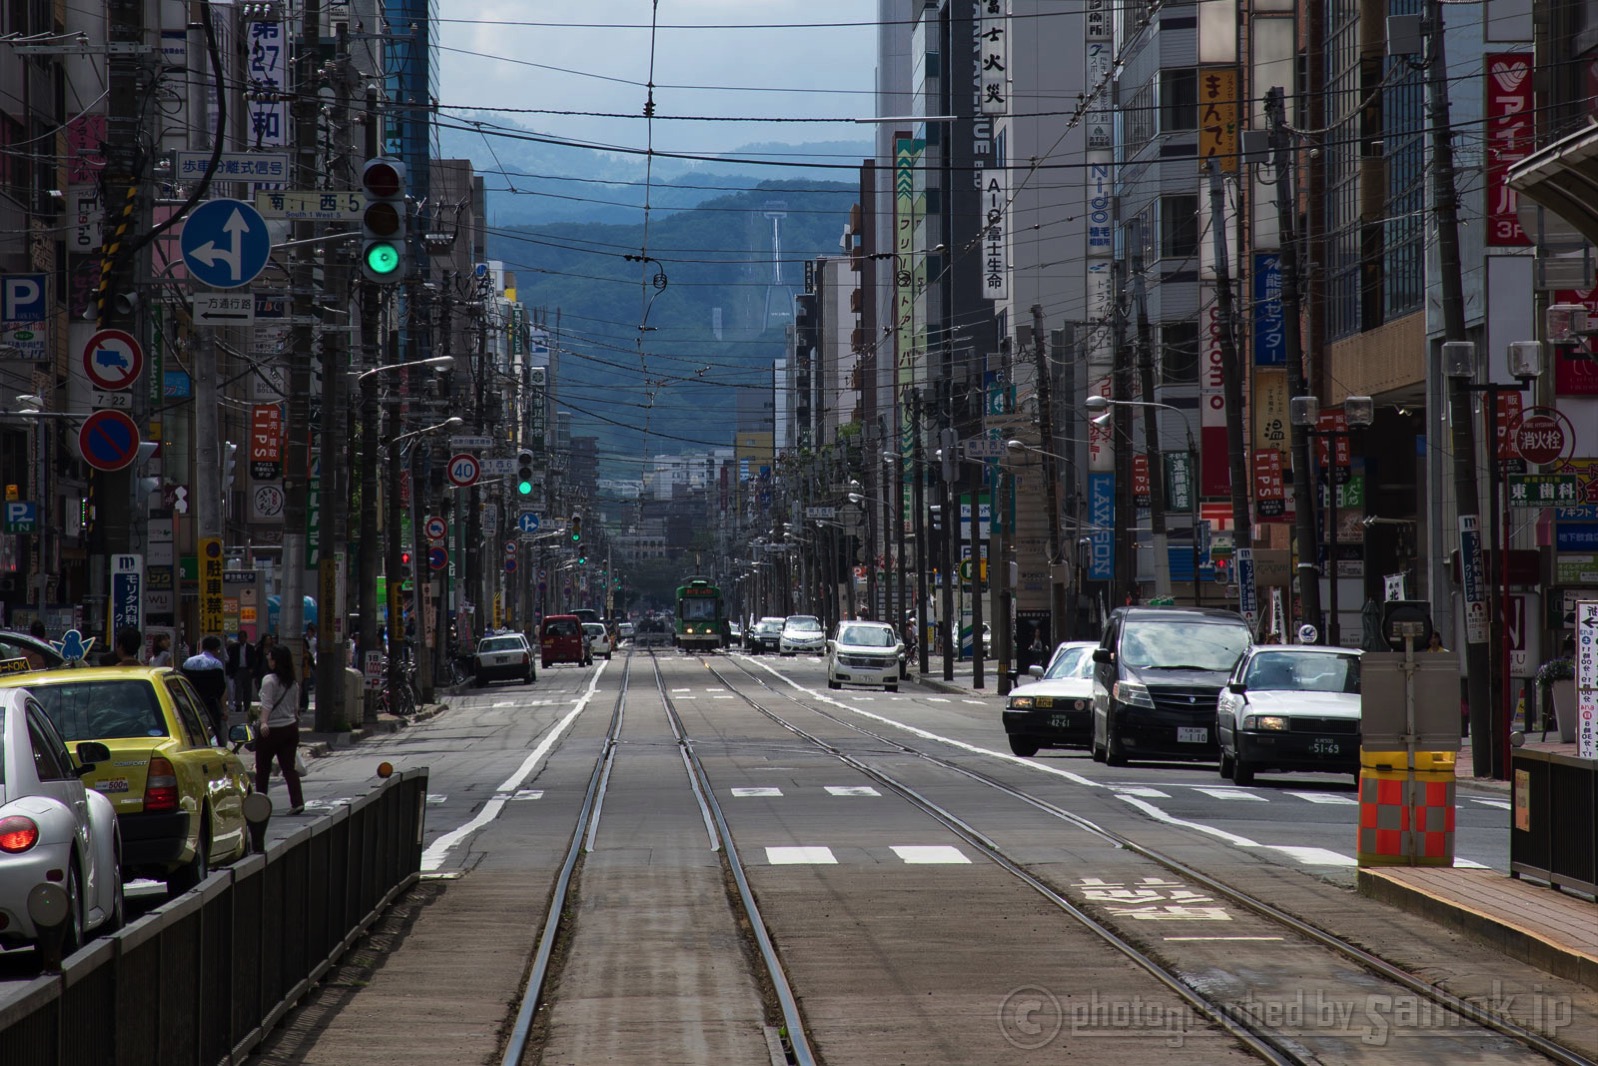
(527, 522)
(225, 243)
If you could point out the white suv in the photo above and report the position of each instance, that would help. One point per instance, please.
(864, 653)
(802, 633)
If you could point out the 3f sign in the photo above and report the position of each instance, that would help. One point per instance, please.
(22, 298)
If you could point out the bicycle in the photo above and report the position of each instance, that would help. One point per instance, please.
(404, 702)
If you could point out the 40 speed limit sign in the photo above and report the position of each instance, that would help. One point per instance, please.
(464, 469)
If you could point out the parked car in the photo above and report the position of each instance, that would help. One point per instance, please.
(178, 793)
(802, 633)
(764, 636)
(624, 631)
(598, 640)
(864, 653)
(1290, 707)
(20, 652)
(52, 828)
(1158, 673)
(504, 657)
(562, 640)
(1056, 709)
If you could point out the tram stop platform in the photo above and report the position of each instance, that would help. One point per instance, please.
(1541, 926)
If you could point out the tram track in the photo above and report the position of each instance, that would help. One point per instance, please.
(1269, 1044)
(785, 1034)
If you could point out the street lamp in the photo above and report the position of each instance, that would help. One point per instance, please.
(1489, 713)
(1305, 413)
(1100, 406)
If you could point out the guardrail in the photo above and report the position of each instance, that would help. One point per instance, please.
(202, 979)
(1553, 834)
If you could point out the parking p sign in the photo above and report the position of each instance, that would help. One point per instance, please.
(21, 516)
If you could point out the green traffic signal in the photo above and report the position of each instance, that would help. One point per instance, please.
(382, 258)
(524, 488)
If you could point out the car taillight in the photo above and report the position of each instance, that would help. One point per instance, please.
(18, 834)
(161, 786)
(525, 657)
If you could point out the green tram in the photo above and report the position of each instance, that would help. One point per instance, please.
(701, 620)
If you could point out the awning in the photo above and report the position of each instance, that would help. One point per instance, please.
(1563, 177)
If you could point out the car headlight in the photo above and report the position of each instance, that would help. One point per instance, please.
(1133, 694)
(1022, 703)
(1275, 723)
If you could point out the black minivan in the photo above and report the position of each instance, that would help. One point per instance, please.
(1157, 675)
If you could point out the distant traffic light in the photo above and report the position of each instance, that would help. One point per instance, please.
(405, 564)
(383, 220)
(577, 528)
(524, 473)
(230, 457)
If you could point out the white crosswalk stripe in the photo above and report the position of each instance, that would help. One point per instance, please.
(801, 856)
(758, 791)
(1333, 798)
(1140, 790)
(930, 854)
(1231, 794)
(1502, 805)
(852, 790)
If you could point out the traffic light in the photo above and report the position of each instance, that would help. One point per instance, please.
(405, 565)
(577, 528)
(383, 220)
(524, 473)
(230, 456)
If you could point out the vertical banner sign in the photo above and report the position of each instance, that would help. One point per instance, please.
(210, 585)
(1509, 140)
(1101, 179)
(1215, 475)
(266, 442)
(1178, 482)
(1101, 515)
(1248, 603)
(1507, 420)
(85, 212)
(1270, 328)
(1587, 679)
(127, 592)
(1099, 118)
(1474, 579)
(1270, 409)
(1217, 132)
(266, 96)
(993, 44)
(995, 242)
(1575, 374)
(907, 156)
(535, 408)
(1333, 449)
(1270, 493)
(1140, 481)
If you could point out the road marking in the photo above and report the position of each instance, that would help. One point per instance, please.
(1189, 938)
(937, 699)
(979, 703)
(930, 854)
(852, 790)
(800, 856)
(1314, 856)
(1502, 805)
(528, 794)
(1334, 798)
(1140, 790)
(433, 857)
(1170, 819)
(763, 791)
(505, 703)
(1230, 794)
(436, 799)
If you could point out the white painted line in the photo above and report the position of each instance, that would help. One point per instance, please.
(1191, 938)
(504, 703)
(1502, 805)
(1467, 864)
(1230, 794)
(800, 856)
(1314, 856)
(1160, 816)
(930, 854)
(937, 699)
(979, 703)
(764, 791)
(436, 799)
(677, 690)
(1334, 798)
(724, 697)
(852, 790)
(528, 794)
(433, 857)
(1140, 790)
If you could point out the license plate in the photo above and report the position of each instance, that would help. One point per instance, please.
(112, 784)
(1189, 735)
(1325, 746)
(1060, 721)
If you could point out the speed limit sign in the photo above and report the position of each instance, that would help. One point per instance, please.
(464, 469)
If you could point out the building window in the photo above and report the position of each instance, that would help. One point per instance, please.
(1179, 229)
(1179, 353)
(1138, 115)
(1178, 100)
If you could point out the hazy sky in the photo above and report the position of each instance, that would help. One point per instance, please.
(534, 54)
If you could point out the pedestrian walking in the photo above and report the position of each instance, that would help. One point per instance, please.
(261, 662)
(161, 650)
(207, 672)
(277, 734)
(128, 644)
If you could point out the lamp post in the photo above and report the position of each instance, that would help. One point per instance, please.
(1101, 405)
(1526, 362)
(396, 626)
(1305, 412)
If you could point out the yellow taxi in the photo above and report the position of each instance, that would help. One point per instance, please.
(178, 793)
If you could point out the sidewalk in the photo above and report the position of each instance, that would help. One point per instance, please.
(1543, 927)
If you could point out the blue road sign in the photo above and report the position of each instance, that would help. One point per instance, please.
(510, 566)
(225, 243)
(109, 440)
(437, 559)
(527, 522)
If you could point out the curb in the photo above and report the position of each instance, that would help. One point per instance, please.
(321, 745)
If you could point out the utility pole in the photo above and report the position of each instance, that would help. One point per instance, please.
(371, 347)
(1151, 423)
(333, 530)
(1003, 508)
(1058, 623)
(1231, 373)
(1121, 420)
(302, 286)
(977, 679)
(918, 468)
(1487, 757)
(1309, 581)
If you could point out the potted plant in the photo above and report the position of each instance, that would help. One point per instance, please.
(1557, 680)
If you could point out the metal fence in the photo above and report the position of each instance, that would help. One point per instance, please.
(201, 980)
(1553, 834)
